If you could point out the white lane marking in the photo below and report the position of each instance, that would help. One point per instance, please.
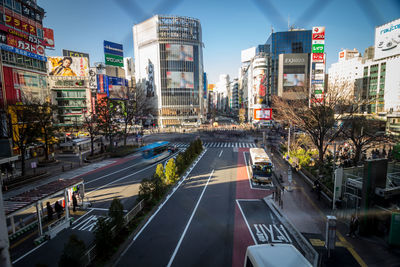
(124, 177)
(82, 217)
(101, 177)
(159, 208)
(226, 144)
(104, 209)
(190, 220)
(83, 222)
(29, 252)
(220, 153)
(245, 220)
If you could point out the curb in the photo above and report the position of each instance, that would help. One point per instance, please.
(310, 254)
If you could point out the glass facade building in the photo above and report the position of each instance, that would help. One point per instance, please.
(173, 47)
(290, 42)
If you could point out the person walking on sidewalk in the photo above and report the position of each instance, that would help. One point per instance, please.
(74, 202)
(317, 188)
(353, 225)
(49, 211)
(58, 209)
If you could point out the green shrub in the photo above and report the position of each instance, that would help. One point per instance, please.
(170, 172)
(72, 253)
(116, 212)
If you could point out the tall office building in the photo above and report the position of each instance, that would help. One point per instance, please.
(169, 66)
(293, 41)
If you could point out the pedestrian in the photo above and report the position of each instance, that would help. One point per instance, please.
(74, 202)
(317, 185)
(353, 225)
(58, 209)
(49, 211)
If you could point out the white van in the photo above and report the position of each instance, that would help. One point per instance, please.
(274, 255)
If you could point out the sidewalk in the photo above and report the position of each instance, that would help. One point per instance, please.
(308, 214)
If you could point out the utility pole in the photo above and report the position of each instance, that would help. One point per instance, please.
(289, 139)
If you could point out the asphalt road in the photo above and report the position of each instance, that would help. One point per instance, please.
(195, 226)
(120, 179)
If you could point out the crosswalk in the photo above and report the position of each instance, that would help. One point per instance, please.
(220, 145)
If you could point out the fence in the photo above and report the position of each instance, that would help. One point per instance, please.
(90, 254)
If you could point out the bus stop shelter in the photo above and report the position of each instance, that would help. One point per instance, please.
(39, 195)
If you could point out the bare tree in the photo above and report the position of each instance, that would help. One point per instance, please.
(106, 112)
(320, 119)
(91, 125)
(21, 119)
(363, 134)
(44, 122)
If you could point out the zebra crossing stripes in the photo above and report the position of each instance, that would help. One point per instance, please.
(219, 145)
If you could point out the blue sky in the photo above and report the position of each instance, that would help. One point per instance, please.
(228, 26)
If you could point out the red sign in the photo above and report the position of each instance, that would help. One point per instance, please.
(318, 57)
(262, 114)
(318, 36)
(24, 45)
(48, 37)
(341, 55)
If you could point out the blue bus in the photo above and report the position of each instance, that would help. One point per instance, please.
(156, 151)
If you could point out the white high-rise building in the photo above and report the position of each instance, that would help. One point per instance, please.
(169, 66)
(344, 73)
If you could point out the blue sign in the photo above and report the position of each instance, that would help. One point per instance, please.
(22, 52)
(317, 81)
(117, 81)
(205, 82)
(113, 48)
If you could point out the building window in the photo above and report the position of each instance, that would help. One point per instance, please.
(8, 3)
(17, 6)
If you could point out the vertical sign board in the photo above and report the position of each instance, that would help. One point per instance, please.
(114, 54)
(317, 66)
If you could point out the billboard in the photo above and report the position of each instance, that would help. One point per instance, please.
(22, 52)
(48, 36)
(113, 60)
(150, 80)
(179, 52)
(68, 66)
(248, 54)
(117, 88)
(176, 79)
(113, 48)
(114, 54)
(293, 80)
(70, 53)
(259, 86)
(262, 114)
(387, 40)
(318, 33)
(317, 48)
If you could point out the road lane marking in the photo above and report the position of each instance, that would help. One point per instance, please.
(245, 220)
(220, 153)
(190, 220)
(29, 252)
(124, 177)
(165, 201)
(104, 176)
(82, 217)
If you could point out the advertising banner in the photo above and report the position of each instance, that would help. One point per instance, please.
(205, 85)
(150, 80)
(3, 38)
(102, 84)
(182, 79)
(68, 66)
(387, 40)
(259, 86)
(179, 52)
(262, 114)
(319, 57)
(113, 49)
(92, 78)
(117, 88)
(20, 43)
(70, 53)
(22, 52)
(318, 33)
(113, 60)
(318, 42)
(317, 48)
(293, 80)
(48, 35)
(317, 81)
